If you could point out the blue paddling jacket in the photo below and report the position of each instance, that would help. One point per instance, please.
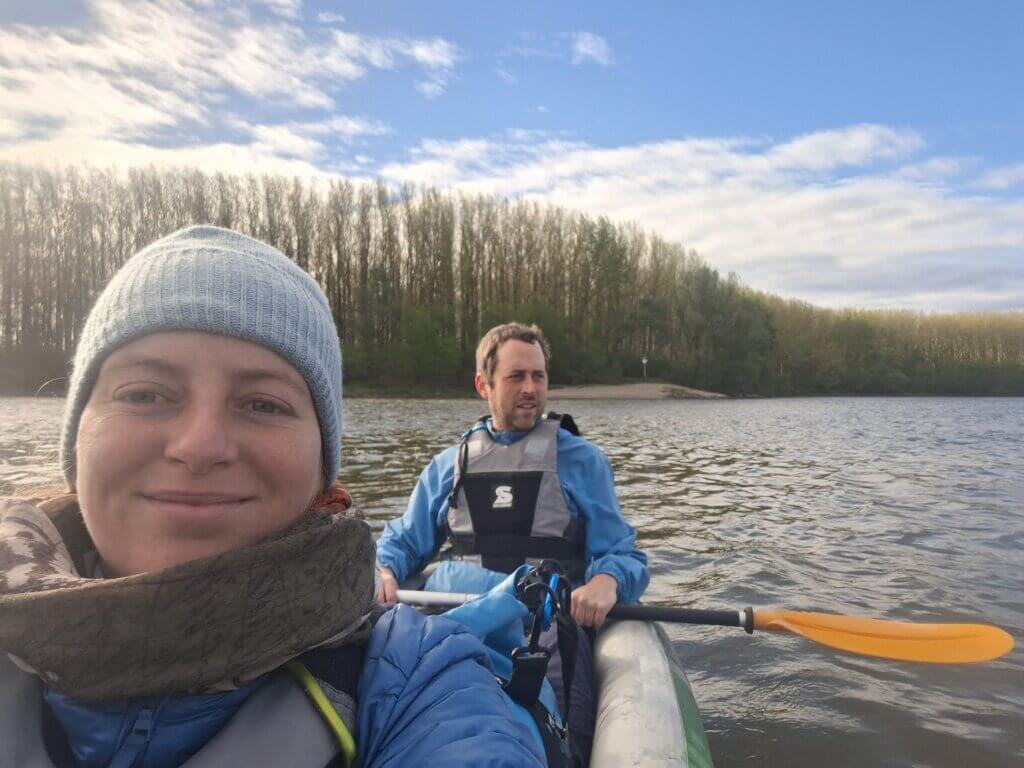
(587, 483)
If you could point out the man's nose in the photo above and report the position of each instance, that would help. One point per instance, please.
(201, 437)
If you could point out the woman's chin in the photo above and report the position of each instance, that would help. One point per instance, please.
(170, 555)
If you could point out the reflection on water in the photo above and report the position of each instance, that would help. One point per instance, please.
(898, 508)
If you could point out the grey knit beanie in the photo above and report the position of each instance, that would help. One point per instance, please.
(218, 281)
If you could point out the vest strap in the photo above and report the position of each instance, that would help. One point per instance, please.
(515, 545)
(555, 738)
(325, 708)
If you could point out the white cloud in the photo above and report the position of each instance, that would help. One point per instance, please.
(224, 157)
(859, 145)
(844, 217)
(330, 18)
(10, 130)
(148, 71)
(586, 46)
(348, 126)
(289, 9)
(436, 53)
(1003, 178)
(936, 169)
(431, 89)
(506, 77)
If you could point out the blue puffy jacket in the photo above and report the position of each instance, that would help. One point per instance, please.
(427, 696)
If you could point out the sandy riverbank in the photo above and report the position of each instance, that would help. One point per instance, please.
(636, 391)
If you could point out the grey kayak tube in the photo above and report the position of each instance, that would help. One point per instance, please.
(646, 714)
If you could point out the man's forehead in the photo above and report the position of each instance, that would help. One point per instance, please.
(520, 355)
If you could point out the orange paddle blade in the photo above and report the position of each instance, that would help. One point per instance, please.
(932, 643)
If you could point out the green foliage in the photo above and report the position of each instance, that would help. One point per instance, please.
(425, 352)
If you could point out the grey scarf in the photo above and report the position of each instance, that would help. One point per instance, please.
(206, 625)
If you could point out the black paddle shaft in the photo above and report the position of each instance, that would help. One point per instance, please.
(683, 615)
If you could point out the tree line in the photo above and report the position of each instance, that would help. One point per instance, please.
(415, 276)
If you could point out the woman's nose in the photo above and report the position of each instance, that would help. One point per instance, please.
(200, 437)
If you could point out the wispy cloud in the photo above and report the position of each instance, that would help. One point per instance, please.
(849, 217)
(306, 141)
(506, 77)
(289, 9)
(144, 75)
(1003, 178)
(330, 18)
(586, 46)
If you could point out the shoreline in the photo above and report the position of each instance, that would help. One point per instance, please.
(629, 391)
(635, 391)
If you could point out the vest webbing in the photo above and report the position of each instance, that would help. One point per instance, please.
(325, 708)
(507, 506)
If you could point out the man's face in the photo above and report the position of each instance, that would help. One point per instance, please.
(518, 390)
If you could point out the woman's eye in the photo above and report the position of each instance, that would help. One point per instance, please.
(265, 406)
(142, 397)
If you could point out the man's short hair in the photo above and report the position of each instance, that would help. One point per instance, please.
(487, 349)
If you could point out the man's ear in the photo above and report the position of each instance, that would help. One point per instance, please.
(481, 385)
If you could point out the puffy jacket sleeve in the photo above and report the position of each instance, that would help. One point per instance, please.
(427, 696)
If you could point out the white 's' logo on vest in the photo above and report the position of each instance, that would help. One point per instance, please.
(502, 497)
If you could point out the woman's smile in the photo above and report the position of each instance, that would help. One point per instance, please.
(192, 507)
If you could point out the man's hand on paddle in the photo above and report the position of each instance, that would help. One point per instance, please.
(592, 601)
(388, 591)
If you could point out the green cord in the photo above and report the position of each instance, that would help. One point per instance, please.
(326, 709)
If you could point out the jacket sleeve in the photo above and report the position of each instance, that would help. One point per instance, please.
(589, 484)
(427, 696)
(410, 542)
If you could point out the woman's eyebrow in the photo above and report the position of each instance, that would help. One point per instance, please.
(152, 363)
(241, 376)
(253, 375)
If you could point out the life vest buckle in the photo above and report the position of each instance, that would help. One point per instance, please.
(529, 666)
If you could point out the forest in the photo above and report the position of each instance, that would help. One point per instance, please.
(414, 277)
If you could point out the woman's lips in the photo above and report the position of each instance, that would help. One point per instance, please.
(194, 507)
(189, 497)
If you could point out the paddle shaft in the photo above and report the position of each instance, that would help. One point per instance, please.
(625, 612)
(682, 615)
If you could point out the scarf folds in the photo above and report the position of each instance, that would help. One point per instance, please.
(203, 626)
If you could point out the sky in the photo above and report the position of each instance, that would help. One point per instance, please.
(866, 154)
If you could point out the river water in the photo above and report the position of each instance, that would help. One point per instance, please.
(909, 509)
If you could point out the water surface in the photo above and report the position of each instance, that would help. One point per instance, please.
(907, 509)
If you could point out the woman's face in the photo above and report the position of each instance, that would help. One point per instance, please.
(193, 445)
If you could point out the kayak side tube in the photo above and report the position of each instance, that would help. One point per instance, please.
(647, 716)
